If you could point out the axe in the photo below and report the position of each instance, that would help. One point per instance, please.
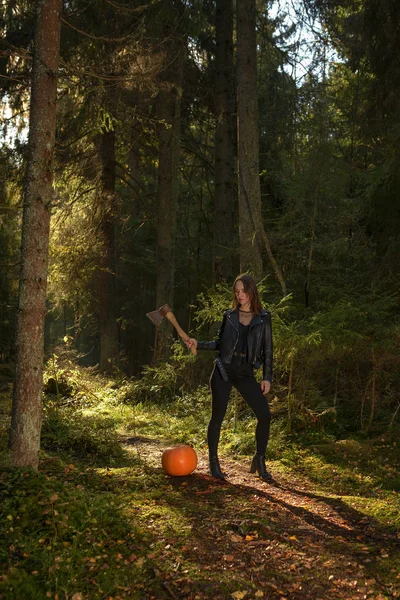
(156, 316)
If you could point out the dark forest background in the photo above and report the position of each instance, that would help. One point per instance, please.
(147, 205)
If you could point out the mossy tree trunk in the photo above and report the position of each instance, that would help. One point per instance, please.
(38, 193)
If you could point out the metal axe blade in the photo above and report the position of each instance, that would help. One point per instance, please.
(156, 316)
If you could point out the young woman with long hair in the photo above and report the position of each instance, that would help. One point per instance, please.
(244, 344)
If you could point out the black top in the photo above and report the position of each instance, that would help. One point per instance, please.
(240, 354)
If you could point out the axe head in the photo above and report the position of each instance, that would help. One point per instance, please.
(156, 316)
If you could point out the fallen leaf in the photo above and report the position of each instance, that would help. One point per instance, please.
(328, 563)
(132, 558)
(238, 595)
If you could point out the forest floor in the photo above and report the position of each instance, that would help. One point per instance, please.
(113, 525)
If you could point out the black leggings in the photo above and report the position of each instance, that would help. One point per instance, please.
(242, 378)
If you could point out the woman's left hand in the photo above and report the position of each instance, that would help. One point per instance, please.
(265, 386)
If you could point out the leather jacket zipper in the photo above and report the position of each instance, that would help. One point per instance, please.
(237, 339)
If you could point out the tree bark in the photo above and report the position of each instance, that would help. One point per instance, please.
(225, 188)
(248, 140)
(135, 168)
(168, 115)
(373, 392)
(27, 403)
(310, 253)
(251, 229)
(107, 295)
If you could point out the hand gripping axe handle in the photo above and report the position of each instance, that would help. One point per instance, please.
(156, 316)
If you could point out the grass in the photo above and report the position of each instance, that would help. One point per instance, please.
(365, 475)
(101, 520)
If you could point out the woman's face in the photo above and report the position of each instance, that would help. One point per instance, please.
(241, 297)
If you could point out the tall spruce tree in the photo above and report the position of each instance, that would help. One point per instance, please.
(107, 284)
(251, 229)
(225, 188)
(168, 106)
(248, 139)
(38, 195)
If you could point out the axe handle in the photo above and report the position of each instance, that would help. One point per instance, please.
(171, 318)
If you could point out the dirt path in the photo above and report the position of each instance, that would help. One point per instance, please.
(284, 539)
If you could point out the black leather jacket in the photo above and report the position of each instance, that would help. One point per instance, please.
(259, 340)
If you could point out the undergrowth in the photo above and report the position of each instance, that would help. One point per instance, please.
(82, 526)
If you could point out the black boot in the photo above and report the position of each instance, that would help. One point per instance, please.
(258, 464)
(215, 469)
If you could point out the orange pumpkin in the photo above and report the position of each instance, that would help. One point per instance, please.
(179, 460)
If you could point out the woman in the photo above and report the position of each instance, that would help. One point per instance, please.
(244, 343)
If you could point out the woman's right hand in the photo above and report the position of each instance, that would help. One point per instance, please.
(191, 343)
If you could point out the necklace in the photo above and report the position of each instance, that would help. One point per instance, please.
(245, 316)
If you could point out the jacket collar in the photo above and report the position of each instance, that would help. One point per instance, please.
(233, 316)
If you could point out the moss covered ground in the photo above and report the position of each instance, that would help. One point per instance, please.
(102, 520)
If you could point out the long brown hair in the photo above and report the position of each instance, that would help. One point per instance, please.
(250, 288)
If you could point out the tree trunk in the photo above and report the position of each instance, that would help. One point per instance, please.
(248, 140)
(134, 171)
(310, 253)
(373, 392)
(107, 291)
(225, 189)
(251, 229)
(289, 395)
(27, 403)
(168, 114)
